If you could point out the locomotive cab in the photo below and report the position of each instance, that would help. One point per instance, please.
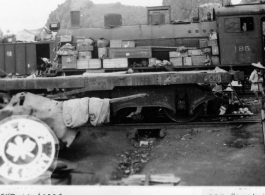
(241, 34)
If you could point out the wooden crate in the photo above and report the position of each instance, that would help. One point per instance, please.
(115, 43)
(198, 60)
(84, 55)
(195, 52)
(115, 63)
(176, 54)
(169, 42)
(187, 61)
(81, 47)
(68, 62)
(203, 43)
(82, 64)
(89, 64)
(130, 53)
(212, 42)
(127, 44)
(176, 61)
(94, 64)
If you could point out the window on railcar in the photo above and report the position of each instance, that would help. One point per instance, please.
(240, 24)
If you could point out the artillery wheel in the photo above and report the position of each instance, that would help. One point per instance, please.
(28, 150)
(183, 118)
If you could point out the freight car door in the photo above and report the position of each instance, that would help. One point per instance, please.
(20, 58)
(31, 58)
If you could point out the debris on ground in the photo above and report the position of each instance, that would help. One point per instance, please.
(144, 143)
(153, 180)
(239, 138)
(132, 162)
(235, 117)
(187, 136)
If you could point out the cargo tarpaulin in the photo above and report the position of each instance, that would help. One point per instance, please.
(40, 34)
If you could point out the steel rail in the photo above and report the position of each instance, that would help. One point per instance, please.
(172, 124)
(191, 123)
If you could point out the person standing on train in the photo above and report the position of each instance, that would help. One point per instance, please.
(256, 79)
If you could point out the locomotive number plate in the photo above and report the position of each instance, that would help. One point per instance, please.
(215, 78)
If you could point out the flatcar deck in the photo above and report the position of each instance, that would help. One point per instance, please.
(107, 81)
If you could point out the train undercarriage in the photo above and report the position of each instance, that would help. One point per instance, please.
(180, 95)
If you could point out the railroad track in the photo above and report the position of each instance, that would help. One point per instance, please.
(202, 120)
(161, 125)
(187, 124)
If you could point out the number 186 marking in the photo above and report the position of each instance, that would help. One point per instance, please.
(243, 48)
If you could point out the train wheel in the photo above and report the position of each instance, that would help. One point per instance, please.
(181, 118)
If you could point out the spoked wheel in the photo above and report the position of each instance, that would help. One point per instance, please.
(27, 151)
(183, 118)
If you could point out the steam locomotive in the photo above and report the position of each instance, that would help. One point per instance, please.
(238, 43)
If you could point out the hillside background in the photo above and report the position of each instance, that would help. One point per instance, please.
(92, 15)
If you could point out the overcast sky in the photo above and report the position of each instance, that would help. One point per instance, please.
(16, 15)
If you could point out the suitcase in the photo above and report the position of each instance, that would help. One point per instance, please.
(176, 54)
(176, 61)
(84, 55)
(89, 64)
(195, 52)
(130, 53)
(115, 63)
(203, 43)
(198, 60)
(126, 44)
(187, 61)
(115, 43)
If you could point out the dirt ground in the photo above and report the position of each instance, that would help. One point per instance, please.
(217, 155)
